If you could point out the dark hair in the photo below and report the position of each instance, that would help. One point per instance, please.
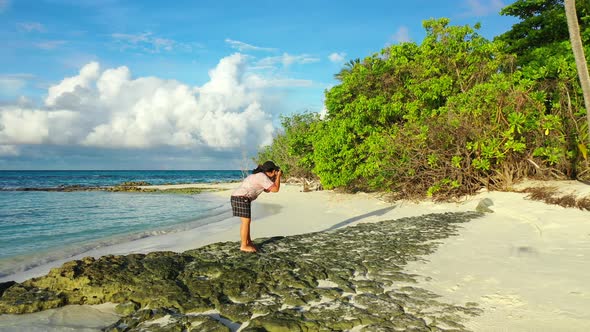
(268, 166)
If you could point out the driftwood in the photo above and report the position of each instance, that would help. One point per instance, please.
(307, 184)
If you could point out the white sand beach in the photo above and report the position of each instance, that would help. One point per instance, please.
(525, 264)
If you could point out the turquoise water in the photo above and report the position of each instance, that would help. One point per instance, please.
(63, 224)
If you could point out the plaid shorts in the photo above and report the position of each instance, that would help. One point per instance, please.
(240, 206)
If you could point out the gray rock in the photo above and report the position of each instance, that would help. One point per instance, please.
(484, 205)
(127, 308)
(362, 266)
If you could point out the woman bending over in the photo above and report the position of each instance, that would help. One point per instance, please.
(265, 177)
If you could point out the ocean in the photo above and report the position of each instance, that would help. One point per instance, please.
(37, 227)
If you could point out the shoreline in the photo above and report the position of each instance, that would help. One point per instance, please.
(131, 187)
(267, 211)
(193, 212)
(138, 242)
(506, 261)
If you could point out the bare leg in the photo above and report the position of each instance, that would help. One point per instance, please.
(247, 244)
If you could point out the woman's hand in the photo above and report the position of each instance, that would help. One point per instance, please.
(275, 176)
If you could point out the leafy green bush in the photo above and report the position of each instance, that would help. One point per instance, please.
(442, 119)
(292, 149)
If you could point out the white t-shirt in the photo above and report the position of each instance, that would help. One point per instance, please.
(253, 185)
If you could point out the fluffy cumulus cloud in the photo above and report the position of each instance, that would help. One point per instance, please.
(34, 126)
(110, 108)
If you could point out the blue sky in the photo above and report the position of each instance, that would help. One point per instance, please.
(110, 84)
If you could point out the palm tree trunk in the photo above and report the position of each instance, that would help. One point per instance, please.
(576, 40)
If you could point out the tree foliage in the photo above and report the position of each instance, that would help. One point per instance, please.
(292, 149)
(578, 51)
(542, 24)
(447, 116)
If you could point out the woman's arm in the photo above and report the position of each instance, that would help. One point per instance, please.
(277, 184)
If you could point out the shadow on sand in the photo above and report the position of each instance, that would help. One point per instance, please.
(375, 213)
(263, 210)
(270, 209)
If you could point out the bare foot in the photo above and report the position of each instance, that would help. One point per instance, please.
(248, 248)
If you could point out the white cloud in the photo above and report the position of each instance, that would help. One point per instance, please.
(261, 82)
(23, 101)
(9, 150)
(109, 108)
(67, 88)
(243, 47)
(4, 5)
(50, 45)
(10, 85)
(147, 42)
(402, 35)
(34, 126)
(163, 44)
(31, 26)
(483, 7)
(323, 113)
(337, 57)
(132, 39)
(286, 60)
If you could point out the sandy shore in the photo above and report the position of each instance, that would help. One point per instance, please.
(525, 264)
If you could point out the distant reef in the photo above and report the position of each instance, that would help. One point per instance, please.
(331, 280)
(133, 186)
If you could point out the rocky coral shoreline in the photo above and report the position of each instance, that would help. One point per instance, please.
(140, 186)
(335, 280)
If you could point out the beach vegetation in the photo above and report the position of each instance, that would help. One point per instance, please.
(292, 149)
(452, 114)
(551, 195)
